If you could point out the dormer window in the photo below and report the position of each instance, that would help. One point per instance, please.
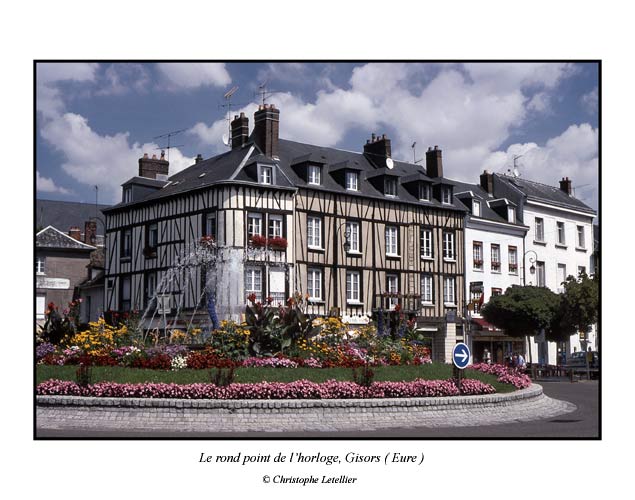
(352, 181)
(424, 191)
(476, 208)
(266, 175)
(511, 215)
(390, 186)
(446, 195)
(127, 195)
(314, 175)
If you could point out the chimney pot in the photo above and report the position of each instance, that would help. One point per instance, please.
(239, 131)
(434, 162)
(565, 185)
(154, 157)
(145, 155)
(266, 133)
(429, 148)
(242, 115)
(199, 158)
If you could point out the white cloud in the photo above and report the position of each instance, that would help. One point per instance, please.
(48, 97)
(47, 185)
(573, 154)
(540, 103)
(103, 160)
(590, 102)
(119, 79)
(179, 76)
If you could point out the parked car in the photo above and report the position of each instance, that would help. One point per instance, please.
(578, 359)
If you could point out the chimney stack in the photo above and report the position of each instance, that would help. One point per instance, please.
(199, 158)
(90, 232)
(240, 131)
(75, 232)
(150, 167)
(565, 185)
(487, 181)
(434, 162)
(378, 147)
(266, 129)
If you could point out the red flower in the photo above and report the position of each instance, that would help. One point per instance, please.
(251, 297)
(290, 301)
(397, 308)
(269, 300)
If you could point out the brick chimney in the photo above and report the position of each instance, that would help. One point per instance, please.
(240, 130)
(266, 129)
(487, 181)
(75, 232)
(150, 167)
(199, 158)
(434, 162)
(90, 232)
(565, 185)
(378, 147)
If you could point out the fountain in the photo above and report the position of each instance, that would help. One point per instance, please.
(221, 268)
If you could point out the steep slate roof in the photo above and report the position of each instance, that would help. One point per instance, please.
(535, 191)
(51, 237)
(486, 211)
(225, 168)
(65, 214)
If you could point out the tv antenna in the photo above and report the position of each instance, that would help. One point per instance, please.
(578, 187)
(414, 154)
(228, 105)
(169, 136)
(515, 172)
(264, 93)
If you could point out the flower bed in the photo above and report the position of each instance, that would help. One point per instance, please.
(505, 375)
(301, 389)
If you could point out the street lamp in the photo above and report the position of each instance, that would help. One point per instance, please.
(532, 267)
(347, 234)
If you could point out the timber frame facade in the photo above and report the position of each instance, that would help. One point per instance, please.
(364, 233)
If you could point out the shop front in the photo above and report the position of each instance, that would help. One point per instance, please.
(491, 344)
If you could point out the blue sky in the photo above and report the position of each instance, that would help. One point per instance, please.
(94, 120)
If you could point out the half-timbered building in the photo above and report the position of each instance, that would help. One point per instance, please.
(359, 234)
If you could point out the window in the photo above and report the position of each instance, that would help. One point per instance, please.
(540, 229)
(512, 257)
(352, 286)
(253, 283)
(151, 287)
(562, 276)
(39, 265)
(275, 226)
(581, 270)
(124, 303)
(40, 307)
(426, 289)
(581, 243)
(448, 246)
(352, 232)
(351, 181)
(314, 284)
(127, 195)
(476, 296)
(392, 287)
(449, 285)
(126, 243)
(496, 258)
(254, 225)
(210, 225)
(426, 243)
(392, 247)
(511, 214)
(560, 227)
(390, 186)
(540, 273)
(477, 251)
(497, 291)
(152, 236)
(314, 232)
(424, 191)
(315, 175)
(476, 208)
(266, 175)
(446, 195)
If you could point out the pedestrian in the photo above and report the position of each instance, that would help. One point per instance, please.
(486, 357)
(520, 361)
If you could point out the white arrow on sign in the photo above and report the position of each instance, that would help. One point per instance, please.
(462, 355)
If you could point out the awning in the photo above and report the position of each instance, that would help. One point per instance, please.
(484, 325)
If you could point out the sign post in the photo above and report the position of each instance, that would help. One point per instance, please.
(460, 359)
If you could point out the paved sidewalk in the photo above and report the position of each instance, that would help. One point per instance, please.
(323, 416)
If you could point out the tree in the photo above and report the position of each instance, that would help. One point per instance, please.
(525, 311)
(580, 301)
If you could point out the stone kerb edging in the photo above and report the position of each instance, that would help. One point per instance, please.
(445, 403)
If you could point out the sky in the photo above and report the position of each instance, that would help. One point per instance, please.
(95, 120)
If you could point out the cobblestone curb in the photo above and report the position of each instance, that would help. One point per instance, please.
(73, 412)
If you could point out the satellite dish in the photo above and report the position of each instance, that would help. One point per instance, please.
(389, 163)
(226, 139)
(516, 172)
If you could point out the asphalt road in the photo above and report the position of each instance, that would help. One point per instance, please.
(582, 423)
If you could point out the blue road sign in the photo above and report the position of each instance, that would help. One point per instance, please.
(461, 355)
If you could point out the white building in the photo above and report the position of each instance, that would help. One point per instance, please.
(494, 243)
(559, 243)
